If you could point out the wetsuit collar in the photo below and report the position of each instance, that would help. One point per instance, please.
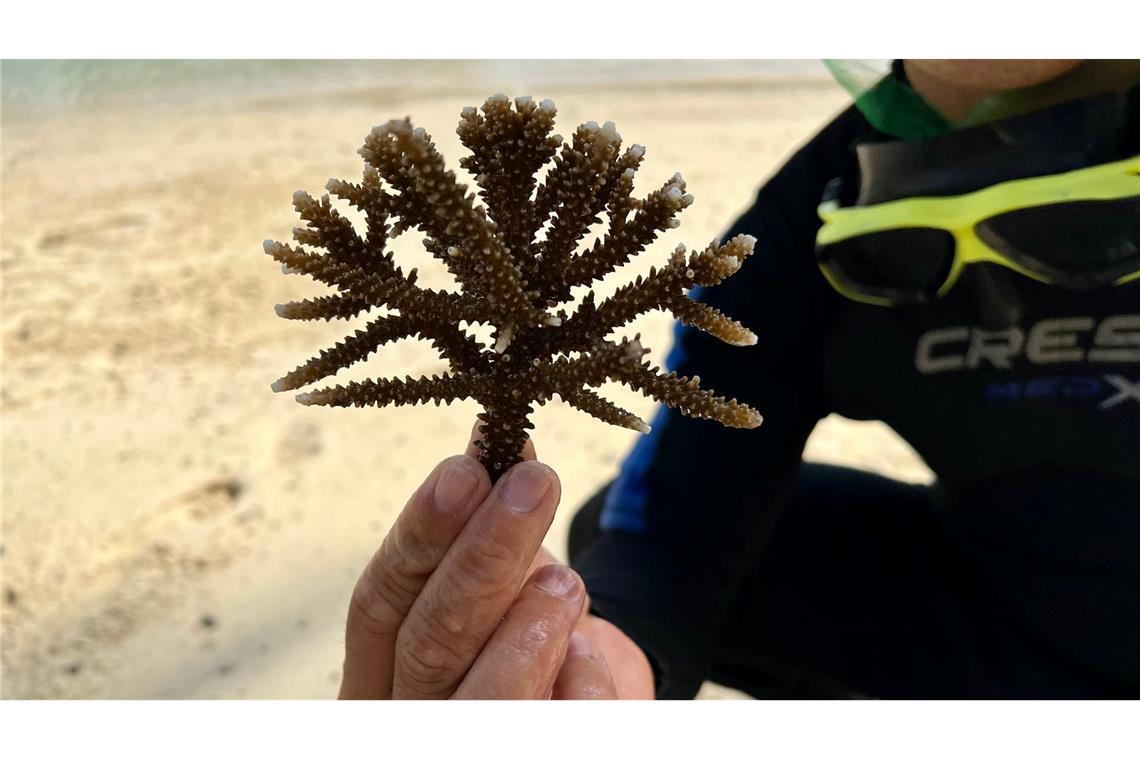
(895, 109)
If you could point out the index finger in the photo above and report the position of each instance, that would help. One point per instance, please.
(396, 575)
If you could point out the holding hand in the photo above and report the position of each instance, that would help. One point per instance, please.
(459, 601)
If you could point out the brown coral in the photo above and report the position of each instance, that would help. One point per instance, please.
(516, 259)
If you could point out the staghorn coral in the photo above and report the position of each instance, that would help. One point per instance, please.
(516, 259)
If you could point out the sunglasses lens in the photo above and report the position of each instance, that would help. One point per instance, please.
(1081, 242)
(904, 264)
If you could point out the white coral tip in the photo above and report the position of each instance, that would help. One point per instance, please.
(641, 426)
(523, 100)
(468, 110)
(279, 309)
(453, 251)
(674, 194)
(278, 386)
(749, 340)
(300, 197)
(498, 97)
(749, 240)
(505, 336)
(547, 105)
(629, 173)
(286, 269)
(687, 200)
(636, 150)
(305, 399)
(553, 321)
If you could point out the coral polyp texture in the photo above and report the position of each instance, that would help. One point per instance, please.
(515, 248)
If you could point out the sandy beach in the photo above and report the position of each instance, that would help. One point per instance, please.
(173, 529)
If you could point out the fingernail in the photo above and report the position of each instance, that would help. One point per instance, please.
(579, 646)
(454, 487)
(526, 484)
(557, 580)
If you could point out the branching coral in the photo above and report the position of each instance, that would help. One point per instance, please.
(516, 259)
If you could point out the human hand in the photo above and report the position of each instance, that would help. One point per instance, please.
(459, 601)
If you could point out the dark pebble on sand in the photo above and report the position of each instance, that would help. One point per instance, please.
(231, 487)
(73, 668)
(208, 621)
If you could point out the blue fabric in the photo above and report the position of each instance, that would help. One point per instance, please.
(625, 502)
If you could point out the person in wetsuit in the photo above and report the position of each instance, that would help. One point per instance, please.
(719, 554)
(1016, 574)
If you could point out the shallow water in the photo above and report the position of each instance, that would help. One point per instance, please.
(37, 88)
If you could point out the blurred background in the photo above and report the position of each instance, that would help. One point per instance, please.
(170, 527)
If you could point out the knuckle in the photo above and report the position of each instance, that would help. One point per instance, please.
(489, 562)
(384, 592)
(426, 661)
(412, 556)
(373, 606)
(391, 582)
(422, 669)
(449, 609)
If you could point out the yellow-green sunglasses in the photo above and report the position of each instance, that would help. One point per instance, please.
(1077, 229)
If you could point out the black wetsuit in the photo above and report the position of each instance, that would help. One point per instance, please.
(1017, 574)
